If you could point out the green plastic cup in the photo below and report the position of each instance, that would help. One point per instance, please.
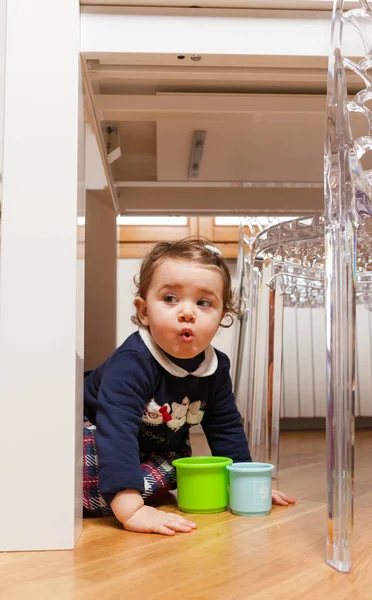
(202, 483)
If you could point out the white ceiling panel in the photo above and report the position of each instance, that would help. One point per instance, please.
(265, 144)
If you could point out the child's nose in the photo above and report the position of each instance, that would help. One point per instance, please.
(186, 314)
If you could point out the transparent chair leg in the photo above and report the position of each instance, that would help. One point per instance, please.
(345, 194)
(236, 354)
(241, 336)
(274, 376)
(254, 277)
(340, 325)
(237, 341)
(258, 412)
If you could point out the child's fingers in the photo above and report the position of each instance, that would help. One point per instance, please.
(179, 526)
(282, 499)
(166, 522)
(163, 530)
(179, 519)
(279, 501)
(288, 499)
(148, 519)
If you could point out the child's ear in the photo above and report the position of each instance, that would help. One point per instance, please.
(141, 308)
(227, 319)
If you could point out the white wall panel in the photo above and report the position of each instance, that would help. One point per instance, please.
(364, 362)
(319, 360)
(305, 361)
(2, 83)
(291, 404)
(42, 282)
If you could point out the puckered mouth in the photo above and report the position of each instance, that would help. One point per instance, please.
(187, 332)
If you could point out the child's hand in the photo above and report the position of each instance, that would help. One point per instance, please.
(148, 519)
(282, 499)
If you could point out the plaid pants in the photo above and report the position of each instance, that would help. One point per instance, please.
(158, 473)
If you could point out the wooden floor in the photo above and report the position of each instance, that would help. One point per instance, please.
(226, 558)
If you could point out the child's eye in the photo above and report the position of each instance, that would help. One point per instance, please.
(204, 303)
(170, 299)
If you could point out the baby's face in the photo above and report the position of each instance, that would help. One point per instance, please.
(183, 307)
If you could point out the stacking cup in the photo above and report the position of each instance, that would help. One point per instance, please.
(250, 488)
(202, 483)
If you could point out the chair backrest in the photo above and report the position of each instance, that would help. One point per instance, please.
(348, 187)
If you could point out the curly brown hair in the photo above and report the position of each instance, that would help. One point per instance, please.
(191, 250)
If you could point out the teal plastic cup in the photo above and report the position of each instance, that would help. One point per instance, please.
(250, 488)
(202, 483)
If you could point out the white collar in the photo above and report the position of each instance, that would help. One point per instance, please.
(207, 367)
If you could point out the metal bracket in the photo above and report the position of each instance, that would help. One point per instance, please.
(197, 152)
(112, 141)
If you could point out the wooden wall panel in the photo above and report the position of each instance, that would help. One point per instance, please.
(100, 281)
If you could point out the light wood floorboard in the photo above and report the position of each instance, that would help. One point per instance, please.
(281, 556)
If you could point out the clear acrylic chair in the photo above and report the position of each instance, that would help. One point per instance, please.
(247, 277)
(283, 275)
(347, 203)
(348, 196)
(291, 260)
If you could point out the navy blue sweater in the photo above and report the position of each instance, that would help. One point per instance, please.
(143, 402)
